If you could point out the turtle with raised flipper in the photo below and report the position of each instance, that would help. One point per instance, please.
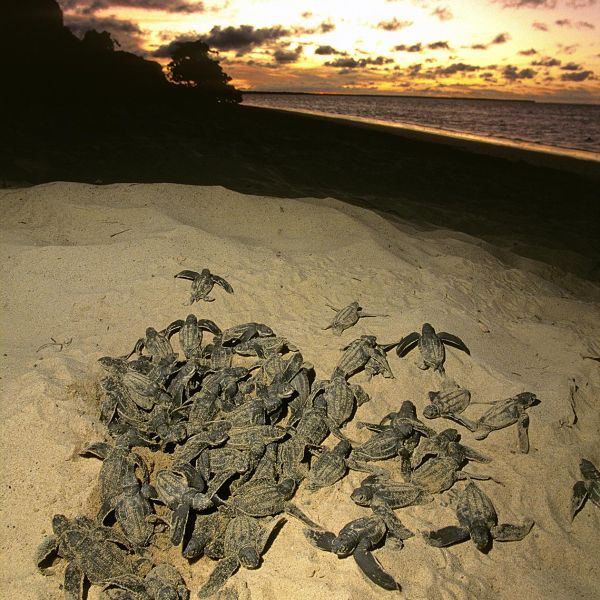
(502, 414)
(431, 346)
(202, 284)
(588, 488)
(244, 542)
(359, 537)
(347, 317)
(190, 333)
(479, 522)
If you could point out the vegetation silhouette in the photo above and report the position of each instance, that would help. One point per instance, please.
(46, 63)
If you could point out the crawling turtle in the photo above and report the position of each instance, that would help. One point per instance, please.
(360, 537)
(330, 466)
(479, 522)
(380, 489)
(502, 414)
(442, 444)
(163, 582)
(361, 353)
(190, 333)
(240, 334)
(202, 284)
(451, 400)
(244, 542)
(588, 488)
(431, 345)
(347, 316)
(94, 552)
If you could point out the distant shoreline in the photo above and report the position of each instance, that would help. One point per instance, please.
(516, 100)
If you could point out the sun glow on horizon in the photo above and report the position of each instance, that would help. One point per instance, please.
(477, 48)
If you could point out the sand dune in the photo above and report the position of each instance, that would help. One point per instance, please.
(92, 266)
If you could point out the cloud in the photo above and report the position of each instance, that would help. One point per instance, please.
(501, 38)
(571, 67)
(172, 6)
(328, 51)
(584, 25)
(528, 3)
(563, 23)
(393, 25)
(126, 33)
(568, 49)
(547, 61)
(580, 3)
(578, 76)
(456, 68)
(513, 73)
(529, 52)
(404, 48)
(282, 56)
(439, 46)
(479, 47)
(242, 38)
(352, 63)
(443, 14)
(539, 26)
(166, 50)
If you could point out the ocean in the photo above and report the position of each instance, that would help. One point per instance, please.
(566, 126)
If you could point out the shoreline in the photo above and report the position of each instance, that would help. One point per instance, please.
(581, 162)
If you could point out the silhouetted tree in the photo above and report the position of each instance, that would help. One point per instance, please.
(192, 67)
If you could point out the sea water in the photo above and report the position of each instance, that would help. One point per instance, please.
(569, 126)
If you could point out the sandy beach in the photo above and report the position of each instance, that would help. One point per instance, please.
(86, 268)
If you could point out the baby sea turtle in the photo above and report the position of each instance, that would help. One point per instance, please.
(244, 542)
(190, 333)
(502, 414)
(394, 494)
(330, 466)
(588, 488)
(347, 316)
(451, 400)
(240, 334)
(478, 522)
(202, 284)
(360, 537)
(94, 553)
(357, 355)
(431, 345)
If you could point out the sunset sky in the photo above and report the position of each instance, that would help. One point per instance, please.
(540, 49)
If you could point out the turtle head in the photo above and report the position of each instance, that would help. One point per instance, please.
(249, 557)
(60, 524)
(480, 534)
(431, 411)
(427, 329)
(343, 545)
(451, 434)
(408, 410)
(362, 495)
(527, 399)
(287, 487)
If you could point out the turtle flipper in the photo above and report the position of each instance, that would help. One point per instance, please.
(320, 539)
(580, 494)
(293, 510)
(471, 454)
(452, 340)
(223, 283)
(221, 573)
(371, 567)
(209, 325)
(178, 523)
(188, 275)
(73, 586)
(506, 532)
(447, 536)
(588, 470)
(46, 553)
(522, 427)
(470, 425)
(406, 344)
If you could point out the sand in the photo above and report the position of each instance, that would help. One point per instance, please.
(91, 267)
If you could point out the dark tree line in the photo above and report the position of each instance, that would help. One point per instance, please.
(44, 63)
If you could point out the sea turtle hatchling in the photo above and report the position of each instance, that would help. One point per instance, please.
(431, 345)
(502, 414)
(360, 537)
(379, 489)
(479, 522)
(329, 467)
(361, 353)
(450, 400)
(347, 317)
(202, 284)
(588, 488)
(244, 542)
(94, 552)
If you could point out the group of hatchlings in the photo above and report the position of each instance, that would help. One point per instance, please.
(226, 469)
